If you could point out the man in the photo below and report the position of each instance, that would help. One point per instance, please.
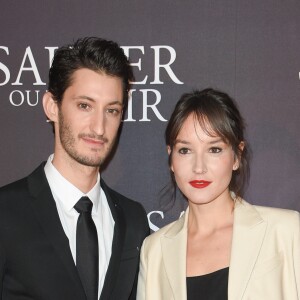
(64, 234)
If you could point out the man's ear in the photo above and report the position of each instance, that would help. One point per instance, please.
(50, 107)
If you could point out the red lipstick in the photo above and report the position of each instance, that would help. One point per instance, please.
(199, 184)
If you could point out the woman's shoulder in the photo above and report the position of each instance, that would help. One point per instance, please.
(277, 213)
(279, 216)
(168, 230)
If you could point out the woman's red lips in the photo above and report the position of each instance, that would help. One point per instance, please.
(199, 184)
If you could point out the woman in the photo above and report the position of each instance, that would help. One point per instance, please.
(222, 247)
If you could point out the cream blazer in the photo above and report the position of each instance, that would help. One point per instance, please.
(264, 263)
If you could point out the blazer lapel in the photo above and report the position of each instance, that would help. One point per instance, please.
(248, 235)
(174, 256)
(46, 212)
(117, 243)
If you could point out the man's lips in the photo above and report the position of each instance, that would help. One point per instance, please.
(199, 184)
(93, 141)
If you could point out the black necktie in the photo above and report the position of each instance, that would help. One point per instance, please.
(87, 255)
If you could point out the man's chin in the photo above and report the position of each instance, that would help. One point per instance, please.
(89, 161)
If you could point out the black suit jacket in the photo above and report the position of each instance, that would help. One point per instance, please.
(35, 257)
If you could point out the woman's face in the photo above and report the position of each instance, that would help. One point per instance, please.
(202, 164)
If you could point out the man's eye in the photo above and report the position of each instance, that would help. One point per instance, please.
(215, 150)
(113, 111)
(84, 106)
(183, 150)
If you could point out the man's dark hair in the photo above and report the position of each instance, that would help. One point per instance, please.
(92, 53)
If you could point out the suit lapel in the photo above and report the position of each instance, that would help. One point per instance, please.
(174, 256)
(117, 243)
(248, 235)
(46, 212)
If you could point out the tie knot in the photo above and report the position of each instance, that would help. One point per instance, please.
(84, 205)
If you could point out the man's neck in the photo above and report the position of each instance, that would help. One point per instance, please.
(81, 176)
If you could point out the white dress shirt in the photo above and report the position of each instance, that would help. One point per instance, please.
(66, 195)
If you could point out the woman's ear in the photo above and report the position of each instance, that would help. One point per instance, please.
(238, 157)
(170, 159)
(50, 107)
(169, 150)
(241, 146)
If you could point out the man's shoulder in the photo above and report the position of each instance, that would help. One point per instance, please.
(20, 186)
(12, 198)
(120, 199)
(133, 211)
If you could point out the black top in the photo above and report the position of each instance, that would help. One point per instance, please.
(212, 286)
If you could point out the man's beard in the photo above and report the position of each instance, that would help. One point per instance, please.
(68, 142)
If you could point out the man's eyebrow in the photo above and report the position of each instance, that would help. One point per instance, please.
(83, 97)
(117, 102)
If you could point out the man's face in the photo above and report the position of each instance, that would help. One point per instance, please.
(89, 117)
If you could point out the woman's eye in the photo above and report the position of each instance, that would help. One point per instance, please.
(183, 150)
(215, 150)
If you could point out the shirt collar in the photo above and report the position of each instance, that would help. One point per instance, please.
(66, 192)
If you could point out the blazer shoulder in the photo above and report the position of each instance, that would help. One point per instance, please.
(12, 190)
(153, 240)
(123, 200)
(133, 211)
(20, 188)
(128, 204)
(279, 217)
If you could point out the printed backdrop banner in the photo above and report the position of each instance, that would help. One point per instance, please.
(249, 49)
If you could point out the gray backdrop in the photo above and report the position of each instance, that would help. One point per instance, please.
(249, 49)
